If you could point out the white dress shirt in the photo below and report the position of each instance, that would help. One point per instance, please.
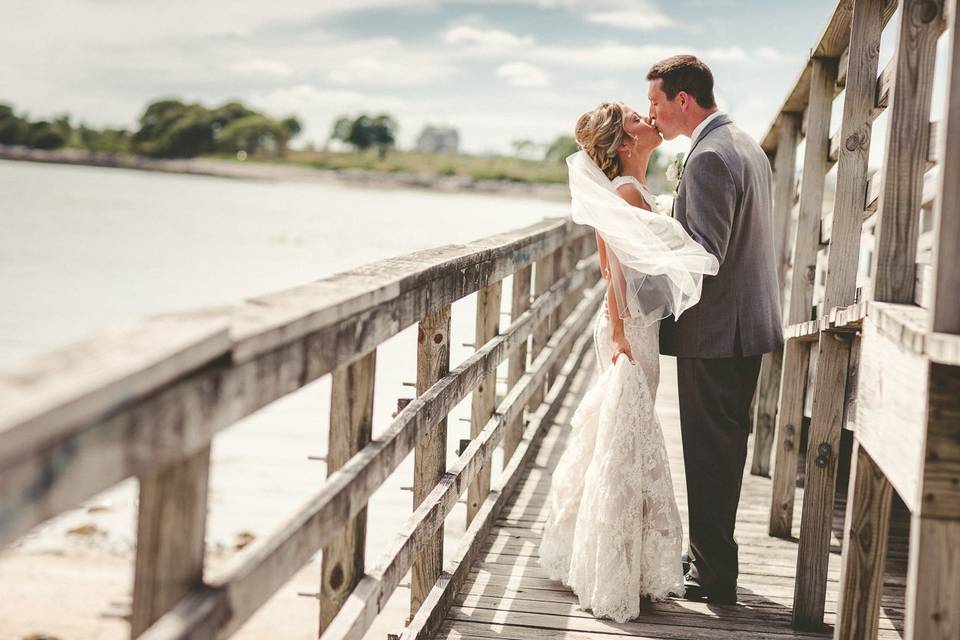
(701, 127)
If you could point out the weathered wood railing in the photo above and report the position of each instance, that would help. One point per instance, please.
(146, 400)
(887, 351)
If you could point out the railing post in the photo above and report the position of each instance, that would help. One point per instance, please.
(430, 454)
(933, 587)
(796, 354)
(894, 270)
(557, 266)
(768, 389)
(542, 279)
(520, 302)
(834, 355)
(171, 529)
(865, 534)
(484, 399)
(351, 425)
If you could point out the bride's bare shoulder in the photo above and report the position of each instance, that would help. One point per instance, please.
(632, 195)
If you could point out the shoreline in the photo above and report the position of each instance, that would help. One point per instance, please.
(253, 170)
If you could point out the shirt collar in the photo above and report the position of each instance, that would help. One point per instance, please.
(702, 126)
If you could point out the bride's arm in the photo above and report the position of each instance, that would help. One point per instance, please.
(613, 314)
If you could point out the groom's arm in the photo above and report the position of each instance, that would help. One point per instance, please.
(711, 197)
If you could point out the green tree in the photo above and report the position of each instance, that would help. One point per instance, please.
(252, 134)
(560, 148)
(365, 132)
(13, 129)
(42, 135)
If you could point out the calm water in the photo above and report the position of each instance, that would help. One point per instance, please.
(82, 248)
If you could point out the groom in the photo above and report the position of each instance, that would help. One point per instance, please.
(724, 202)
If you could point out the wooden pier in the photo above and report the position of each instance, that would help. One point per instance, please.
(508, 595)
(861, 408)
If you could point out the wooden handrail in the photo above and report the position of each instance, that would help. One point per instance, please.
(147, 400)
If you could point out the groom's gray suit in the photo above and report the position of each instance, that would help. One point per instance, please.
(724, 201)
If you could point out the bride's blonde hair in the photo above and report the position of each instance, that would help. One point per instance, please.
(600, 133)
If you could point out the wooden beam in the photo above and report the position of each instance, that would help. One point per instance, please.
(485, 395)
(865, 532)
(945, 312)
(796, 356)
(824, 73)
(542, 274)
(430, 456)
(785, 190)
(905, 156)
(59, 392)
(816, 525)
(789, 421)
(350, 430)
(171, 530)
(518, 359)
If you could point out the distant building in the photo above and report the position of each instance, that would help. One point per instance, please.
(438, 140)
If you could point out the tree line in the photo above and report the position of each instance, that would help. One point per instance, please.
(168, 128)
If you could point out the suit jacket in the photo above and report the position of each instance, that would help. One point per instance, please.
(724, 201)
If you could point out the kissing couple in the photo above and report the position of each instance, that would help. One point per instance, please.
(695, 279)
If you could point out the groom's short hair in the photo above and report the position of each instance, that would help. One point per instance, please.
(685, 73)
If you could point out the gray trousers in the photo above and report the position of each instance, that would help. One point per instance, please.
(715, 396)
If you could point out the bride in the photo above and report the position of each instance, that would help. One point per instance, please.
(613, 531)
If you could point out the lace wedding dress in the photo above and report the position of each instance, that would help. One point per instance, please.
(613, 532)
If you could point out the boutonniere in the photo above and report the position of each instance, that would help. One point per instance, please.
(675, 172)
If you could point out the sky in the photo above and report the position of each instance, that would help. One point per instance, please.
(498, 71)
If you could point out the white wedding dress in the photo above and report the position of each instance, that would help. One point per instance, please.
(613, 531)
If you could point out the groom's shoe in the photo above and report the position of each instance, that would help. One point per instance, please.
(693, 590)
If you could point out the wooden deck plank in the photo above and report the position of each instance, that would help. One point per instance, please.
(508, 595)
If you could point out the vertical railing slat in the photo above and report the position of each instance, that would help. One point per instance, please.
(933, 587)
(796, 355)
(430, 454)
(834, 353)
(517, 366)
(768, 388)
(351, 426)
(171, 529)
(484, 399)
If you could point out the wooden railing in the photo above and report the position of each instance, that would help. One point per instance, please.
(147, 399)
(886, 349)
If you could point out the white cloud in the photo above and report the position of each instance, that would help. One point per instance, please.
(263, 67)
(644, 20)
(486, 40)
(400, 70)
(773, 55)
(521, 74)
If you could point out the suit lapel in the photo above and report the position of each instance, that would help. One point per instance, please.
(719, 121)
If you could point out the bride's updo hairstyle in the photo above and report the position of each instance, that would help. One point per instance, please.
(600, 133)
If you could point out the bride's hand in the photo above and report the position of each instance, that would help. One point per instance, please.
(620, 345)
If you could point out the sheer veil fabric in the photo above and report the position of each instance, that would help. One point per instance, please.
(657, 267)
(613, 532)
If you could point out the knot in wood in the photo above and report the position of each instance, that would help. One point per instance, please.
(854, 141)
(926, 12)
(336, 576)
(438, 338)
